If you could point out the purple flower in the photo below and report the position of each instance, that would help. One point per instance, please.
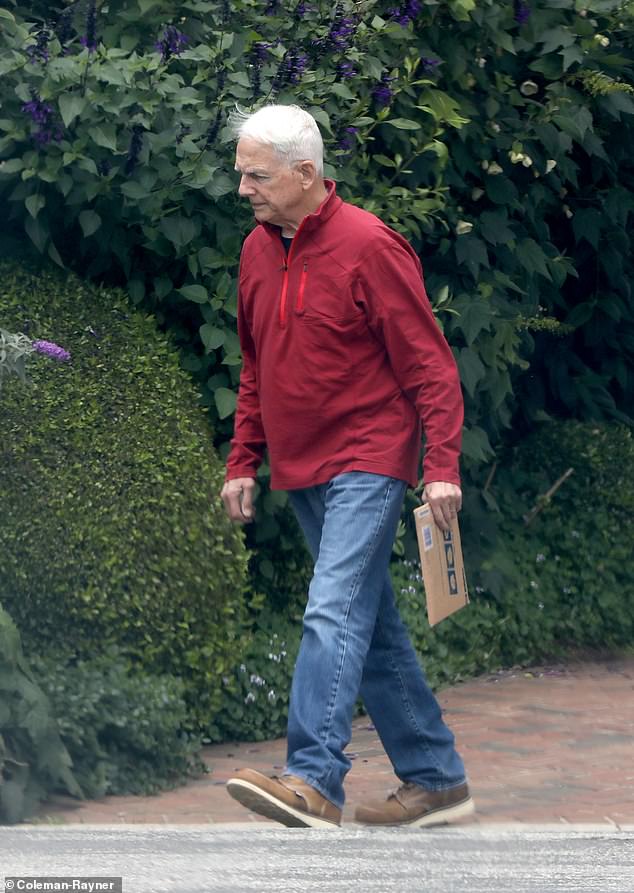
(172, 43)
(272, 8)
(345, 70)
(89, 39)
(258, 56)
(341, 31)
(382, 93)
(300, 10)
(134, 150)
(290, 69)
(428, 64)
(38, 51)
(522, 11)
(39, 111)
(49, 349)
(347, 142)
(406, 13)
(42, 115)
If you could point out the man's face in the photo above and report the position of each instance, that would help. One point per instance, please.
(273, 188)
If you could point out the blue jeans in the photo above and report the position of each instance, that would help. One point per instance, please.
(354, 642)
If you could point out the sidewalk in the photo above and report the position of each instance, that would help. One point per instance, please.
(550, 745)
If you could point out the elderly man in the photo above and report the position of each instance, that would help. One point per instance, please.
(342, 361)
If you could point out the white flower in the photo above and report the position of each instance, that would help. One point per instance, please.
(540, 557)
(484, 165)
(603, 40)
(250, 698)
(476, 193)
(568, 214)
(481, 61)
(243, 669)
(529, 88)
(527, 161)
(272, 697)
(257, 680)
(516, 157)
(534, 584)
(463, 226)
(551, 164)
(495, 126)
(494, 168)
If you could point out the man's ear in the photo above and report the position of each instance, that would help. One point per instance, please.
(307, 172)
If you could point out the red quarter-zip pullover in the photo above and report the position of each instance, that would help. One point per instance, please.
(342, 356)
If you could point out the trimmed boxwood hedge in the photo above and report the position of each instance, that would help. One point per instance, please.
(111, 529)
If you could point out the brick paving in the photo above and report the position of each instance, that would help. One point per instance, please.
(553, 744)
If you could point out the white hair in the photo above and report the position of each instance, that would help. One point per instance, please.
(290, 131)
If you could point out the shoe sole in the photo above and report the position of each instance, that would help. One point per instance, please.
(257, 800)
(443, 816)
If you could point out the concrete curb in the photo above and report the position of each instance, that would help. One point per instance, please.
(488, 828)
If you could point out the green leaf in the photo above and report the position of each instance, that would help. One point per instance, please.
(500, 189)
(403, 124)
(384, 160)
(580, 314)
(494, 228)
(11, 166)
(105, 135)
(212, 337)
(71, 105)
(134, 190)
(38, 233)
(476, 445)
(179, 230)
(196, 293)
(532, 257)
(474, 315)
(471, 369)
(225, 402)
(90, 222)
(473, 252)
(586, 224)
(34, 204)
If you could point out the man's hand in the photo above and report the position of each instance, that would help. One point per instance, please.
(237, 496)
(445, 501)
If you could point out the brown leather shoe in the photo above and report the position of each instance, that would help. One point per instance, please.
(416, 806)
(289, 800)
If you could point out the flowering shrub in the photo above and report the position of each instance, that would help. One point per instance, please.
(14, 349)
(495, 136)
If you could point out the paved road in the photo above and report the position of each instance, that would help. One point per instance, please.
(480, 859)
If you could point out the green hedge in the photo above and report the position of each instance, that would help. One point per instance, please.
(112, 530)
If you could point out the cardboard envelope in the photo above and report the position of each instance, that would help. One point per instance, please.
(442, 566)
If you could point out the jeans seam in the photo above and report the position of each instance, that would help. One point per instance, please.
(325, 730)
(406, 704)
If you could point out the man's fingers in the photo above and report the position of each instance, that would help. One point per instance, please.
(237, 496)
(246, 503)
(445, 501)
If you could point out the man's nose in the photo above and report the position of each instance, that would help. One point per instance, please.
(245, 188)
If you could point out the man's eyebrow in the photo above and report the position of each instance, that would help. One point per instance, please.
(251, 169)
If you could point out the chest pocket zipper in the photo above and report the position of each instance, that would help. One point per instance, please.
(302, 286)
